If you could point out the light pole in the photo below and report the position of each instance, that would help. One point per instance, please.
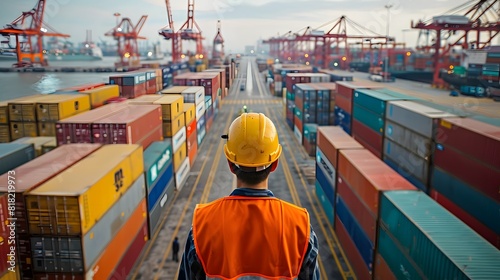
(388, 7)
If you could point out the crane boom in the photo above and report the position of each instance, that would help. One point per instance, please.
(169, 15)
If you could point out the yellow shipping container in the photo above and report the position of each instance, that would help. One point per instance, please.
(61, 106)
(24, 109)
(46, 129)
(174, 90)
(172, 106)
(144, 99)
(4, 112)
(170, 128)
(23, 129)
(180, 156)
(99, 95)
(4, 133)
(189, 113)
(11, 275)
(37, 142)
(74, 200)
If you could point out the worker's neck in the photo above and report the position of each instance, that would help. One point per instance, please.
(260, 186)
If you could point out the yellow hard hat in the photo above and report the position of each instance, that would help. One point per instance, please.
(252, 141)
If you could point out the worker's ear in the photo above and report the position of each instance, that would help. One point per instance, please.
(232, 167)
(274, 165)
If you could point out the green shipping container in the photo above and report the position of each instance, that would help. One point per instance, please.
(438, 244)
(310, 132)
(157, 158)
(370, 119)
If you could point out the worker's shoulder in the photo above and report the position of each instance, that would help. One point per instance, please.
(293, 206)
(208, 204)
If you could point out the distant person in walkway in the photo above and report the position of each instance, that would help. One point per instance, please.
(250, 233)
(175, 249)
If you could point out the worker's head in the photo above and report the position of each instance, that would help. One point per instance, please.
(252, 147)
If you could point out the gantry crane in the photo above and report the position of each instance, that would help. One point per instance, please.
(126, 34)
(29, 30)
(168, 32)
(480, 17)
(218, 44)
(191, 31)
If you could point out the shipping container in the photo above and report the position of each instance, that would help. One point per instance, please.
(182, 174)
(13, 155)
(343, 119)
(346, 88)
(88, 188)
(60, 106)
(23, 129)
(382, 271)
(369, 176)
(5, 133)
(158, 209)
(4, 112)
(170, 128)
(111, 256)
(331, 139)
(147, 99)
(78, 129)
(77, 254)
(192, 149)
(200, 110)
(325, 203)
(189, 113)
(11, 275)
(191, 128)
(83, 87)
(136, 124)
(178, 139)
(179, 156)
(24, 109)
(46, 128)
(37, 142)
(367, 137)
(194, 95)
(172, 106)
(200, 129)
(174, 90)
(434, 240)
(98, 96)
(157, 158)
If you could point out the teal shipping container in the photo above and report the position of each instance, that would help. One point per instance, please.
(369, 118)
(325, 203)
(13, 155)
(428, 242)
(157, 157)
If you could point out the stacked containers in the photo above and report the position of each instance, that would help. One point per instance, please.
(304, 78)
(57, 107)
(222, 80)
(78, 129)
(83, 87)
(209, 112)
(335, 76)
(301, 91)
(13, 155)
(175, 128)
(310, 131)
(344, 99)
(361, 180)
(330, 140)
(159, 174)
(228, 72)
(325, 103)
(419, 239)
(466, 174)
(135, 124)
(290, 109)
(191, 136)
(4, 122)
(40, 169)
(38, 143)
(368, 122)
(98, 96)
(167, 78)
(22, 116)
(410, 131)
(132, 84)
(76, 216)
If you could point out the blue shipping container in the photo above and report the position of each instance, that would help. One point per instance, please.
(343, 119)
(159, 187)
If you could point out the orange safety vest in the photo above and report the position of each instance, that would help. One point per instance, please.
(238, 237)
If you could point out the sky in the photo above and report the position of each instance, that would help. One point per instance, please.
(242, 22)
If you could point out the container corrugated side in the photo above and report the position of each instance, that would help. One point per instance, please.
(415, 116)
(369, 118)
(333, 138)
(13, 155)
(325, 203)
(200, 110)
(382, 271)
(171, 127)
(159, 187)
(368, 176)
(61, 106)
(178, 139)
(24, 109)
(111, 256)
(179, 156)
(82, 255)
(71, 202)
(124, 267)
(157, 157)
(409, 139)
(158, 209)
(194, 95)
(367, 137)
(182, 174)
(172, 105)
(328, 189)
(189, 112)
(435, 238)
(100, 95)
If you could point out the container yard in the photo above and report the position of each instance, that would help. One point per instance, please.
(400, 177)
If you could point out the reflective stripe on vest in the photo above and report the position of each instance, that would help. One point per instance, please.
(239, 236)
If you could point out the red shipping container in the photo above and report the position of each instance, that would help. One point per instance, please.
(332, 139)
(382, 271)
(370, 139)
(344, 103)
(78, 129)
(191, 141)
(123, 269)
(4, 235)
(477, 139)
(299, 104)
(192, 153)
(298, 123)
(151, 87)
(191, 128)
(209, 122)
(346, 88)
(479, 175)
(366, 219)
(133, 91)
(353, 256)
(368, 176)
(136, 124)
(476, 225)
(40, 170)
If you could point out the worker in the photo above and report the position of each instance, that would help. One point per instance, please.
(250, 233)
